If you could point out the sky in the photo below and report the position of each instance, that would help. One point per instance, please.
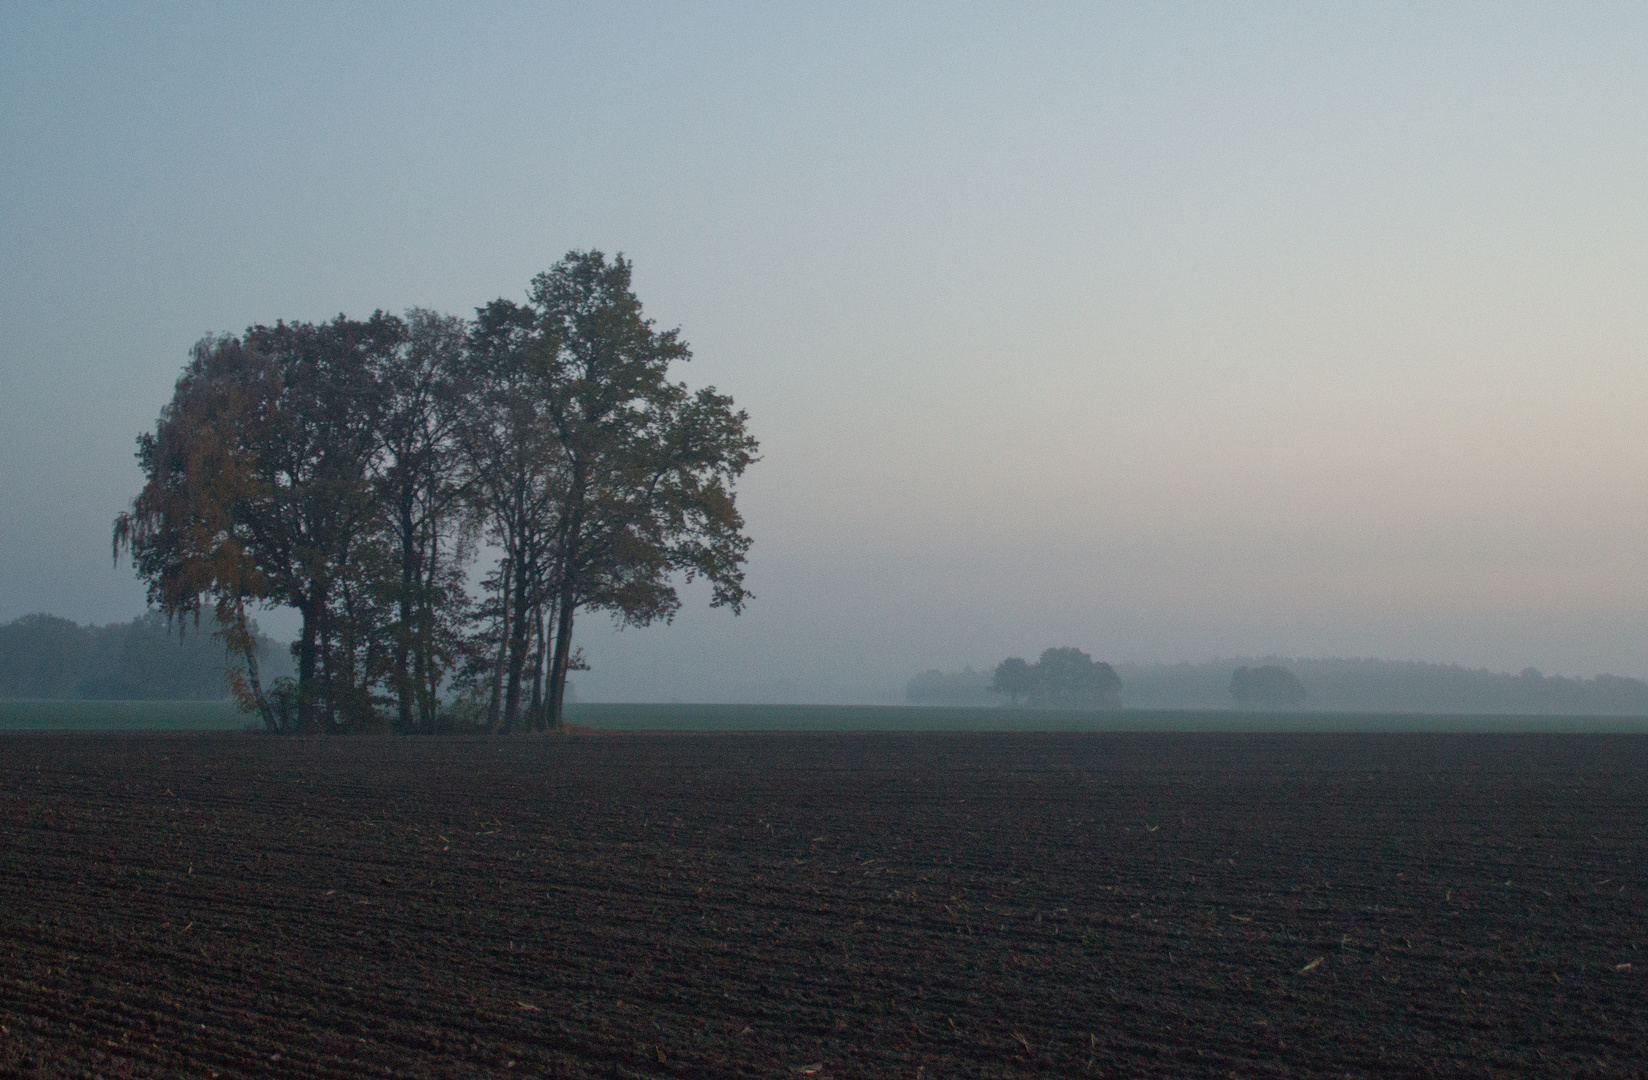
(1167, 331)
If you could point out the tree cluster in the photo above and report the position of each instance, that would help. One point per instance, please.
(353, 470)
(1063, 678)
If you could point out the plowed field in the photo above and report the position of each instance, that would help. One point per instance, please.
(739, 904)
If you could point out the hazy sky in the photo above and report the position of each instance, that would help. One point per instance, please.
(1165, 331)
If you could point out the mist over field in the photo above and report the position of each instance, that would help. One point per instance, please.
(1163, 333)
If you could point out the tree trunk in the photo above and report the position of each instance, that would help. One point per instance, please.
(307, 642)
(563, 653)
(494, 708)
(535, 714)
(410, 579)
(427, 670)
(566, 598)
(517, 649)
(240, 638)
(327, 684)
(264, 710)
(345, 706)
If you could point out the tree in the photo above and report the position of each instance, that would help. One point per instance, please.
(262, 487)
(517, 471)
(1068, 678)
(637, 475)
(1013, 677)
(1270, 686)
(430, 518)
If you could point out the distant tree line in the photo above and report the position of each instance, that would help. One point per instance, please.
(935, 687)
(43, 656)
(1328, 684)
(1334, 684)
(1268, 686)
(354, 470)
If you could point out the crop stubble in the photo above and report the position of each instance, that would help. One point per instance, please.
(823, 904)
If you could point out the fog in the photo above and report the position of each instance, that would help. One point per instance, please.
(1167, 333)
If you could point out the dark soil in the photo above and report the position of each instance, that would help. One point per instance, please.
(823, 904)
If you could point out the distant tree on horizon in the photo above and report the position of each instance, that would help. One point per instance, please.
(1069, 678)
(1062, 678)
(1013, 677)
